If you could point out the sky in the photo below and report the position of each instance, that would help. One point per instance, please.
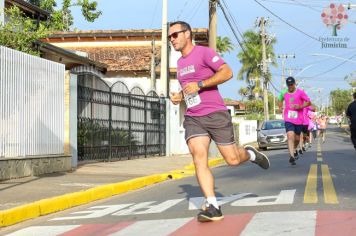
(297, 26)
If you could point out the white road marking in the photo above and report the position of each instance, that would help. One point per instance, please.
(153, 227)
(282, 223)
(284, 197)
(43, 230)
(97, 212)
(195, 203)
(149, 209)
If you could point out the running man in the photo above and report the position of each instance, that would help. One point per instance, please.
(294, 102)
(351, 114)
(305, 136)
(322, 122)
(199, 71)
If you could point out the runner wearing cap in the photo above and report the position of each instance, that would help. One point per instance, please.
(294, 102)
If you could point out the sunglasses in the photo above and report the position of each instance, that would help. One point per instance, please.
(175, 34)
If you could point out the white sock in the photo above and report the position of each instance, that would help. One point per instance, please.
(252, 155)
(213, 201)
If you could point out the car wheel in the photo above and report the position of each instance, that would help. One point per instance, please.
(262, 148)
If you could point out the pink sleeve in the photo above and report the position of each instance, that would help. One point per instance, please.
(213, 59)
(304, 96)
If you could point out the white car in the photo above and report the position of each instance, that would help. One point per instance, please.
(332, 120)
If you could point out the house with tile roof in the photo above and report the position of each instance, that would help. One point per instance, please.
(127, 53)
(129, 56)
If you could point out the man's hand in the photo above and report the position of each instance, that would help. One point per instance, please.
(191, 88)
(176, 98)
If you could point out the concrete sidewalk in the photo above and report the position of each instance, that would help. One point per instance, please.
(30, 197)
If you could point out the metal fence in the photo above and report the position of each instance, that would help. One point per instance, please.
(31, 105)
(118, 123)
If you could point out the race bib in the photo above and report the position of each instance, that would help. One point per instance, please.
(192, 99)
(292, 114)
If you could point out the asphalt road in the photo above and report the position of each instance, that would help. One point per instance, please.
(315, 197)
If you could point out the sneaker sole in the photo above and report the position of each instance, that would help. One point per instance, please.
(208, 219)
(269, 164)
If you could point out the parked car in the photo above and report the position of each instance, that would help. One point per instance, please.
(272, 134)
(332, 120)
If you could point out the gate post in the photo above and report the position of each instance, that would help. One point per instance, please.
(145, 125)
(110, 121)
(130, 145)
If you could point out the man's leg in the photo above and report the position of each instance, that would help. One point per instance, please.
(301, 142)
(199, 147)
(291, 142)
(233, 155)
(353, 136)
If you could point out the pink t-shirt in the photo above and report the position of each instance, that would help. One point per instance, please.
(201, 64)
(306, 113)
(291, 114)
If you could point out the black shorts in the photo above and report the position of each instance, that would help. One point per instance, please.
(216, 125)
(305, 130)
(297, 129)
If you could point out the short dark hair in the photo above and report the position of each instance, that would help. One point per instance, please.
(184, 25)
(354, 95)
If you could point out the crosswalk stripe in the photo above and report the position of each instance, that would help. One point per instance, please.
(281, 223)
(230, 225)
(152, 227)
(97, 229)
(43, 230)
(310, 193)
(288, 223)
(330, 196)
(331, 223)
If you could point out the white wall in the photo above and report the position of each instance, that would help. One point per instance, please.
(32, 105)
(247, 131)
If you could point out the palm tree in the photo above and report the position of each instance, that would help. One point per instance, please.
(223, 44)
(251, 58)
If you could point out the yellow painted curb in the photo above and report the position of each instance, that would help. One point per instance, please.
(20, 213)
(59, 203)
(216, 162)
(54, 204)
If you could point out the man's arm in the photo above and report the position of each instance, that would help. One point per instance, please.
(223, 74)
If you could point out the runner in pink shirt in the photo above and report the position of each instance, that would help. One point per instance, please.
(294, 102)
(305, 134)
(199, 71)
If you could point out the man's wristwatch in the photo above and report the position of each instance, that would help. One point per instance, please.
(200, 84)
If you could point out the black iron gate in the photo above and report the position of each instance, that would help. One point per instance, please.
(115, 123)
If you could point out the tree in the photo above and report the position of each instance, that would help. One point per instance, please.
(223, 45)
(20, 32)
(62, 19)
(340, 100)
(251, 58)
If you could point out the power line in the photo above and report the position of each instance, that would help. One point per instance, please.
(290, 25)
(154, 14)
(337, 66)
(232, 29)
(305, 5)
(197, 7)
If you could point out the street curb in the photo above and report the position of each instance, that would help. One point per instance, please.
(59, 203)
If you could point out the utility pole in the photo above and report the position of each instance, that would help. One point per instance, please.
(212, 24)
(262, 23)
(284, 57)
(164, 50)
